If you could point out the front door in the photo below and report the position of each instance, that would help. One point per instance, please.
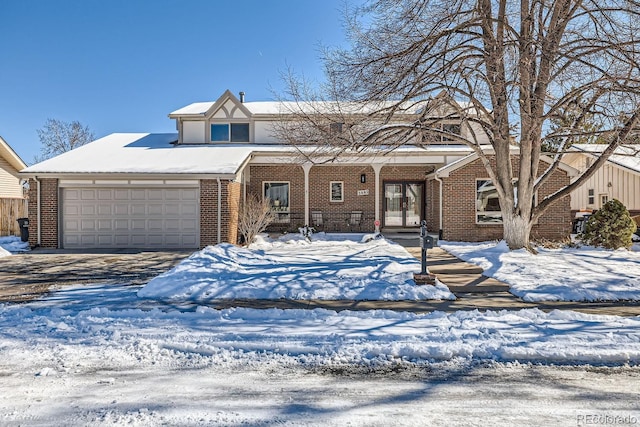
(403, 204)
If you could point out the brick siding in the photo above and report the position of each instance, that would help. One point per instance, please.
(320, 177)
(230, 198)
(459, 207)
(48, 212)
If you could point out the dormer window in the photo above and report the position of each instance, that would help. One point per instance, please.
(230, 132)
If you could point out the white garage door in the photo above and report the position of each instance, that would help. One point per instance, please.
(149, 218)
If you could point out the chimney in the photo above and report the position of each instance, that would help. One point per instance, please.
(242, 97)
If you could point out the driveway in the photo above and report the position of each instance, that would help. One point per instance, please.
(27, 276)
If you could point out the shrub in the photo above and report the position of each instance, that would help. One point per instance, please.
(255, 217)
(611, 227)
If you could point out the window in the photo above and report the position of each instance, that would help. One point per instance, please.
(452, 128)
(488, 204)
(234, 132)
(591, 199)
(239, 132)
(336, 191)
(335, 128)
(278, 194)
(220, 132)
(604, 198)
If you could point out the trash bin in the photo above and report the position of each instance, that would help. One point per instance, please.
(24, 229)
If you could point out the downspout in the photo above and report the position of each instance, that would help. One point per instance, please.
(38, 217)
(219, 210)
(435, 175)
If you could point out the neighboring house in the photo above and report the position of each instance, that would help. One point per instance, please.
(618, 178)
(184, 190)
(13, 205)
(10, 165)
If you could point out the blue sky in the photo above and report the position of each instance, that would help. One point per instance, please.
(123, 65)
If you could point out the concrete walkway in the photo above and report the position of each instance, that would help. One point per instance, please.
(478, 292)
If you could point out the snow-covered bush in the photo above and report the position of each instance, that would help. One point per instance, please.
(611, 227)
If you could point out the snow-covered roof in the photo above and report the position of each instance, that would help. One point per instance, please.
(627, 156)
(445, 170)
(271, 108)
(146, 153)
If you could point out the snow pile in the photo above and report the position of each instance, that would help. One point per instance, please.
(58, 341)
(9, 244)
(330, 267)
(567, 274)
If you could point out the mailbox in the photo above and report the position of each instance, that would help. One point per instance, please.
(426, 242)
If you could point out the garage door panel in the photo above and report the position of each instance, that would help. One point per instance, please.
(121, 225)
(155, 224)
(130, 217)
(104, 209)
(138, 194)
(121, 209)
(120, 194)
(105, 240)
(105, 225)
(71, 210)
(154, 209)
(138, 209)
(87, 225)
(87, 194)
(88, 210)
(105, 195)
(186, 224)
(172, 209)
(188, 210)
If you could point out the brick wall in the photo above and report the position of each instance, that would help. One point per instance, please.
(229, 210)
(320, 177)
(48, 212)
(459, 193)
(338, 213)
(433, 206)
(291, 173)
(208, 212)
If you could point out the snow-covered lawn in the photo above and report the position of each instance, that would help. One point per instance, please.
(9, 244)
(70, 360)
(61, 366)
(331, 267)
(567, 274)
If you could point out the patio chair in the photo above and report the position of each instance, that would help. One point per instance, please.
(355, 220)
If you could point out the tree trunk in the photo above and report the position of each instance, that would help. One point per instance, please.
(516, 231)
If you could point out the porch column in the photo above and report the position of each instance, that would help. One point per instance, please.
(306, 167)
(376, 169)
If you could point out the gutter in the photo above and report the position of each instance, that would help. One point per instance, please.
(38, 216)
(437, 178)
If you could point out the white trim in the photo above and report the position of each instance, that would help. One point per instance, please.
(127, 183)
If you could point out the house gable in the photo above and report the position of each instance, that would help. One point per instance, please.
(205, 123)
(10, 165)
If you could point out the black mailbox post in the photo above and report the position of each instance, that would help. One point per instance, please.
(24, 229)
(426, 242)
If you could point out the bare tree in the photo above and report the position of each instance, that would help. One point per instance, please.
(511, 66)
(255, 217)
(58, 137)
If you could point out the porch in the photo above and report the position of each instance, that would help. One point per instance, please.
(356, 221)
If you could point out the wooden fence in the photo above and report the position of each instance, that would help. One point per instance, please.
(10, 211)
